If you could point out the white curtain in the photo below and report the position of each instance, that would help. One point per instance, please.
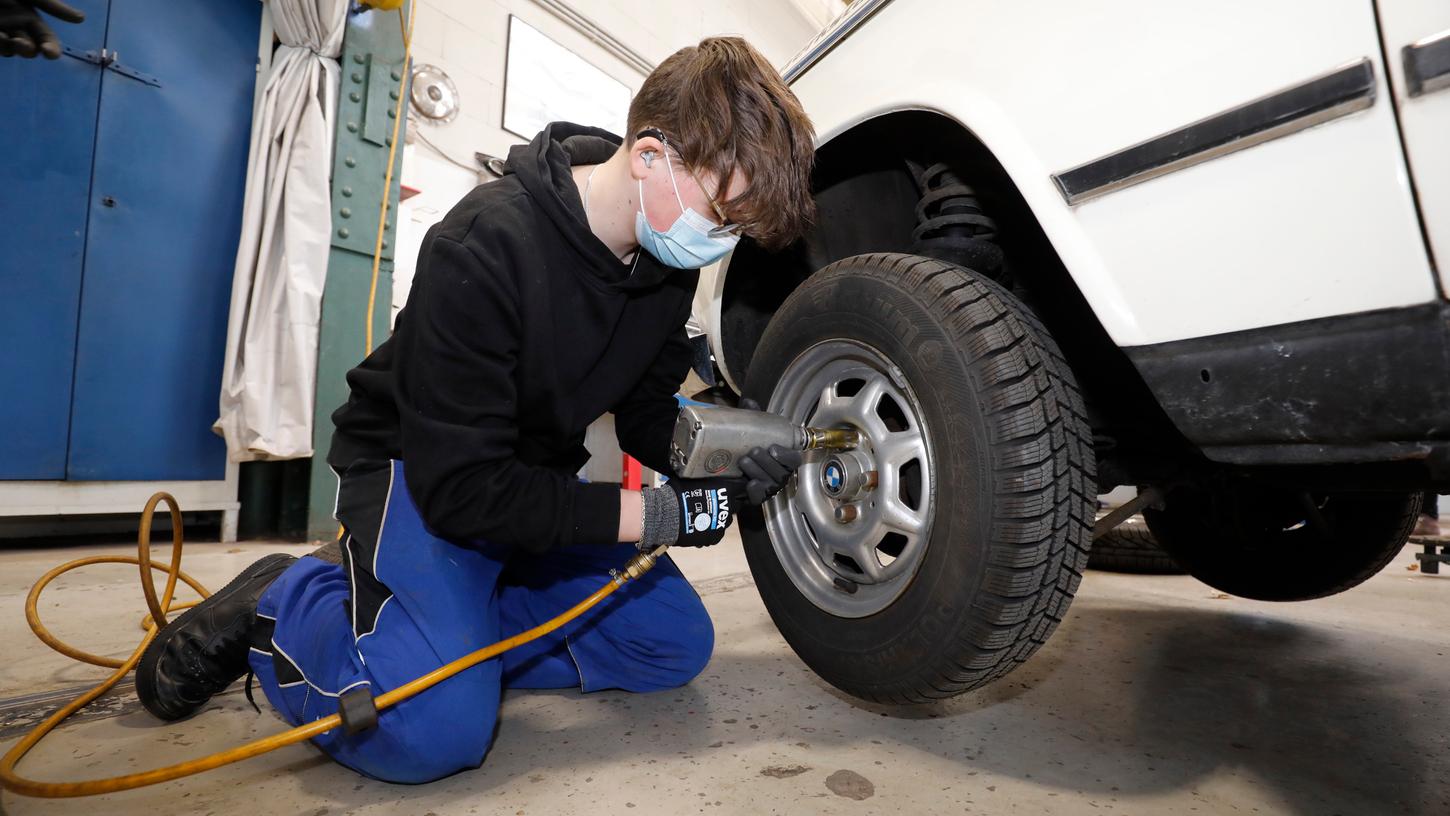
(270, 376)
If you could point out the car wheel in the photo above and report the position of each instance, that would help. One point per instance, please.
(1282, 545)
(944, 551)
(1131, 548)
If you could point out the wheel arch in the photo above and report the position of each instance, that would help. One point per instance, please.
(867, 200)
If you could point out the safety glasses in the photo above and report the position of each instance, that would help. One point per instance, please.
(725, 228)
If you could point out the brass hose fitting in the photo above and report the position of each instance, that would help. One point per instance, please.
(638, 565)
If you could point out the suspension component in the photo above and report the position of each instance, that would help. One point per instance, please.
(950, 222)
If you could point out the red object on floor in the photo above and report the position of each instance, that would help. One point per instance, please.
(633, 473)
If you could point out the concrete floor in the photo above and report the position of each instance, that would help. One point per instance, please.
(1157, 696)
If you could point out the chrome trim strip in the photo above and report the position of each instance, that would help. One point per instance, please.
(1340, 92)
(831, 36)
(1427, 64)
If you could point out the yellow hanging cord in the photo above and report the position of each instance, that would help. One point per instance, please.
(407, 34)
(12, 781)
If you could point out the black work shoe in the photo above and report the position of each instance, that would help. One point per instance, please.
(204, 649)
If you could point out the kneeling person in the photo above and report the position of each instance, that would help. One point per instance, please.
(542, 301)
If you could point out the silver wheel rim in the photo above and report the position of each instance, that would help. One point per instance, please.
(856, 567)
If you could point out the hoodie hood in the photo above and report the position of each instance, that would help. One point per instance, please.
(543, 168)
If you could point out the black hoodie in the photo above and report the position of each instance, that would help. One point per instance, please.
(521, 329)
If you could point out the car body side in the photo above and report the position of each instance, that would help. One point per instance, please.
(1211, 312)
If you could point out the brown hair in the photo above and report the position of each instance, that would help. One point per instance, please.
(725, 108)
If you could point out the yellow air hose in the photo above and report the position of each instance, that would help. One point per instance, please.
(11, 781)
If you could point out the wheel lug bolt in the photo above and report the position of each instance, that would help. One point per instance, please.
(846, 513)
(873, 478)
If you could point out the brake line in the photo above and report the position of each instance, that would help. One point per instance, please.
(159, 608)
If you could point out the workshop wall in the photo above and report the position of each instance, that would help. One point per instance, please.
(468, 39)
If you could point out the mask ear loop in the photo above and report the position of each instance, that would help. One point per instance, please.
(670, 167)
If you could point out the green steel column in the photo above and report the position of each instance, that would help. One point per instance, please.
(372, 79)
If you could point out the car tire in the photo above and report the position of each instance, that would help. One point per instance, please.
(1131, 548)
(1004, 479)
(1265, 544)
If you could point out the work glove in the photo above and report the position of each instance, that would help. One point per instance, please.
(689, 512)
(24, 34)
(766, 471)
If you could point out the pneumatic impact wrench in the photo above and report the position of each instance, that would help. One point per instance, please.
(709, 439)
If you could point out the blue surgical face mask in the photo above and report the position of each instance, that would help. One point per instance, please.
(687, 243)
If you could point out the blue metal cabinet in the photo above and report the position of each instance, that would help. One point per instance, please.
(47, 137)
(160, 216)
(166, 208)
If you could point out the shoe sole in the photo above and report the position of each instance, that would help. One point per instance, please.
(146, 668)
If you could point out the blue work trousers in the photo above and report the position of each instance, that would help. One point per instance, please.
(411, 602)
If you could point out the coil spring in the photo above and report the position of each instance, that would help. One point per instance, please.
(950, 222)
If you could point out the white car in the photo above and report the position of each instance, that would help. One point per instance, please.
(1067, 246)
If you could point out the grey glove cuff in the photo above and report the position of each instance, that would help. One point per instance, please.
(661, 521)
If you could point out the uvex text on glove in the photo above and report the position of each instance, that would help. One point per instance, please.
(687, 512)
